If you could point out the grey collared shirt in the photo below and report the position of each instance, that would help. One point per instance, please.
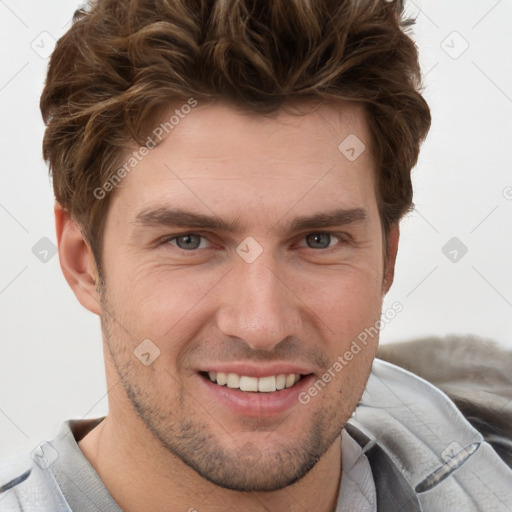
(59, 478)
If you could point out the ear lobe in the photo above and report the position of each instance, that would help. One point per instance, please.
(392, 250)
(76, 260)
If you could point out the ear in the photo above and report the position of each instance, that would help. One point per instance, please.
(77, 261)
(392, 249)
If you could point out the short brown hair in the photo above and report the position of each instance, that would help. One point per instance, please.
(123, 62)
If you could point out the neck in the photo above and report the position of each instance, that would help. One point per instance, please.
(143, 476)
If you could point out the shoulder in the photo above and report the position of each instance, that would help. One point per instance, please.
(13, 473)
(26, 486)
(475, 373)
(417, 433)
(16, 490)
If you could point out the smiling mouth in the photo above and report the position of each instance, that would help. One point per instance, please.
(270, 384)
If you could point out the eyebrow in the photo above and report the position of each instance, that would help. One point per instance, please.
(179, 218)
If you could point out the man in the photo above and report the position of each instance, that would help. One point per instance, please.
(229, 179)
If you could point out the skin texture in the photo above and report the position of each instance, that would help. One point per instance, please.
(164, 435)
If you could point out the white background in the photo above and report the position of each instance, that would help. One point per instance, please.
(51, 365)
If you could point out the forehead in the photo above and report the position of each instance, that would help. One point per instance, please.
(218, 156)
(304, 132)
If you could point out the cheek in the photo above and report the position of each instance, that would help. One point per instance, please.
(354, 321)
(154, 300)
(349, 311)
(346, 299)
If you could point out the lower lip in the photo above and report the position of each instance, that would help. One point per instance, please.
(256, 404)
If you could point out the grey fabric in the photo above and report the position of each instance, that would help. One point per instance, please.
(442, 463)
(357, 488)
(80, 484)
(424, 457)
(57, 478)
(70, 483)
(475, 373)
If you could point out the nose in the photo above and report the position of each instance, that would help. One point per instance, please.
(258, 304)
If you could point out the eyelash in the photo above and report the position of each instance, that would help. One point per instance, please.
(343, 239)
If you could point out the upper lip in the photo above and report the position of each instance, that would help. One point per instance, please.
(252, 370)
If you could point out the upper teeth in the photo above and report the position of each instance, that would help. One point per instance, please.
(263, 384)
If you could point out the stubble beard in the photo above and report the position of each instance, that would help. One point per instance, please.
(245, 467)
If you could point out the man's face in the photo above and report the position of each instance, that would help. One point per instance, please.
(279, 274)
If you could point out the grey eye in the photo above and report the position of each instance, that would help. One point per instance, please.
(318, 240)
(188, 242)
